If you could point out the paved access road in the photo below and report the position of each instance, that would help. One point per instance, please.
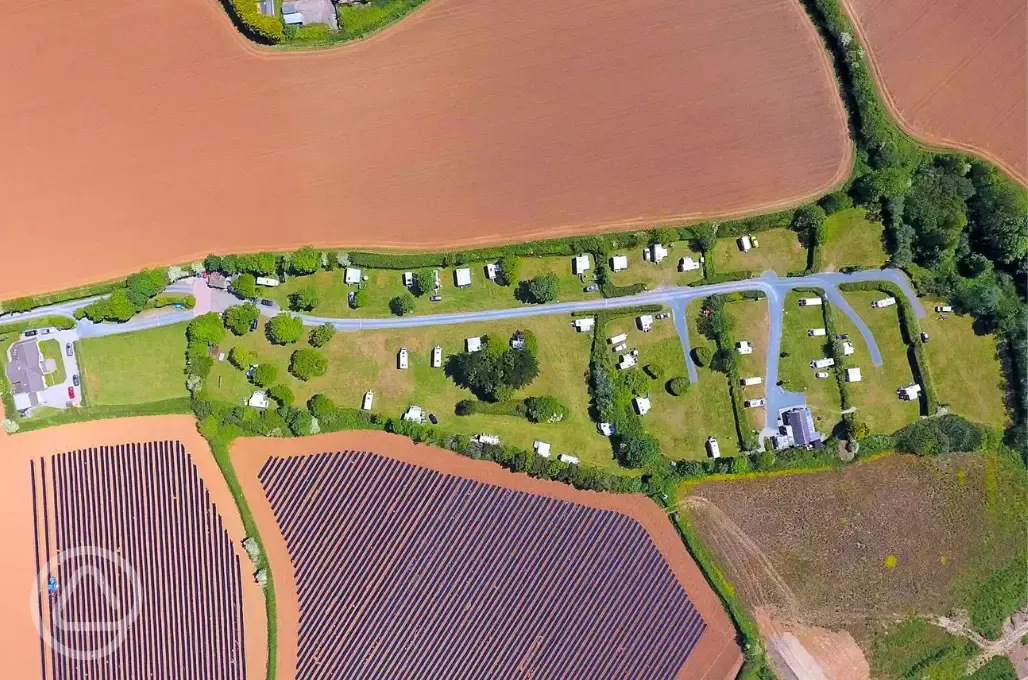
(676, 297)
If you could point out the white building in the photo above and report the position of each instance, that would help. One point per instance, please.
(584, 325)
(404, 359)
(712, 448)
(909, 392)
(352, 276)
(687, 264)
(810, 302)
(645, 322)
(541, 448)
(658, 253)
(463, 277)
(853, 375)
(408, 279)
(816, 332)
(568, 458)
(487, 439)
(627, 361)
(884, 302)
(415, 414)
(752, 380)
(642, 405)
(473, 344)
(369, 397)
(618, 339)
(267, 281)
(619, 263)
(579, 264)
(258, 399)
(744, 347)
(745, 244)
(437, 357)
(848, 348)
(490, 271)
(822, 363)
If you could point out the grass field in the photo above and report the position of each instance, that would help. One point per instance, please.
(875, 396)
(383, 285)
(51, 349)
(794, 370)
(654, 275)
(134, 368)
(852, 240)
(965, 367)
(780, 250)
(752, 323)
(367, 360)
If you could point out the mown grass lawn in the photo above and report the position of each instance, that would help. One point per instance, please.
(852, 240)
(367, 360)
(752, 323)
(51, 349)
(134, 368)
(875, 396)
(794, 370)
(780, 250)
(655, 275)
(965, 367)
(383, 285)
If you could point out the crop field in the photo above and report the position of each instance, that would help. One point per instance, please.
(780, 250)
(965, 367)
(183, 577)
(953, 77)
(875, 396)
(752, 323)
(852, 240)
(794, 369)
(461, 560)
(855, 547)
(475, 122)
(134, 368)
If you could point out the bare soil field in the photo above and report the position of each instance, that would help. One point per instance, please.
(20, 645)
(715, 655)
(149, 133)
(954, 72)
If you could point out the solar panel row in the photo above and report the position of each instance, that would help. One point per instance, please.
(403, 571)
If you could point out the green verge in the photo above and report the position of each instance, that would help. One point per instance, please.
(24, 304)
(77, 415)
(51, 349)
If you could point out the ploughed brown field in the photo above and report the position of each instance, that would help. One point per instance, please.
(955, 72)
(152, 132)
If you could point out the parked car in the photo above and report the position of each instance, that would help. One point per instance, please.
(662, 315)
(924, 337)
(821, 374)
(75, 380)
(436, 298)
(68, 349)
(267, 303)
(754, 403)
(71, 392)
(432, 419)
(592, 288)
(45, 331)
(30, 334)
(843, 336)
(253, 325)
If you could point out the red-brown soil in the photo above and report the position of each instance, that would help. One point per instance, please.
(151, 132)
(716, 655)
(19, 642)
(954, 72)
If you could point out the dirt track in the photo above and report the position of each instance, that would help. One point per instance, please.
(146, 133)
(954, 72)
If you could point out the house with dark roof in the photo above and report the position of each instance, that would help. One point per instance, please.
(797, 430)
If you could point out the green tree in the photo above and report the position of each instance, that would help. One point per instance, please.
(663, 235)
(305, 261)
(242, 358)
(320, 406)
(884, 183)
(809, 221)
(239, 318)
(322, 335)
(542, 288)
(725, 361)
(641, 452)
(678, 386)
(360, 298)
(422, 283)
(835, 202)
(120, 307)
(655, 371)
(265, 264)
(282, 394)
(935, 207)
(998, 215)
(307, 363)
(212, 263)
(510, 265)
(402, 304)
(305, 299)
(206, 329)
(245, 286)
(264, 375)
(546, 410)
(142, 286)
(701, 356)
(706, 237)
(285, 329)
(301, 423)
(636, 381)
(201, 366)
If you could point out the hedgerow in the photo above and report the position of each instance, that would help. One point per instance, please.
(248, 18)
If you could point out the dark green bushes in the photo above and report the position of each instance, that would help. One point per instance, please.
(1000, 596)
(252, 23)
(939, 435)
(725, 277)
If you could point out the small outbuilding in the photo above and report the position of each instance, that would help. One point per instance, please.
(369, 398)
(462, 277)
(619, 263)
(687, 264)
(744, 347)
(853, 375)
(745, 244)
(645, 322)
(473, 344)
(642, 405)
(352, 276)
(579, 264)
(584, 325)
(258, 399)
(541, 448)
(713, 449)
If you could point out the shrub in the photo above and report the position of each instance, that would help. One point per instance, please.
(835, 202)
(239, 318)
(320, 406)
(264, 375)
(285, 329)
(402, 304)
(725, 277)
(307, 363)
(641, 452)
(701, 355)
(301, 423)
(242, 358)
(509, 267)
(282, 394)
(678, 386)
(305, 299)
(322, 335)
(541, 288)
(245, 286)
(635, 381)
(655, 371)
(546, 410)
(939, 435)
(305, 261)
(257, 26)
(360, 298)
(206, 329)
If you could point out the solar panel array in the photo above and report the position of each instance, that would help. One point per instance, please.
(405, 572)
(146, 504)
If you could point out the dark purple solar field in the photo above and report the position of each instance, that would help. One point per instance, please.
(146, 505)
(405, 572)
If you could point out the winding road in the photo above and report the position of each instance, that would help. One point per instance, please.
(675, 297)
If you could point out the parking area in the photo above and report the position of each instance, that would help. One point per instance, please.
(43, 370)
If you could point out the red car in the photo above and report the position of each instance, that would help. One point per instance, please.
(71, 392)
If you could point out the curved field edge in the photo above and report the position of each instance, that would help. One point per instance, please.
(930, 141)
